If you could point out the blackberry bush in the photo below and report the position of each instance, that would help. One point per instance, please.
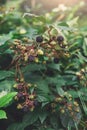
(44, 84)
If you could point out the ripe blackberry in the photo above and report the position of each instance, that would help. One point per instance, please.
(25, 108)
(56, 60)
(20, 95)
(36, 103)
(39, 39)
(60, 38)
(31, 58)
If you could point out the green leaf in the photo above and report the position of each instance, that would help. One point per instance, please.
(6, 85)
(58, 80)
(73, 22)
(5, 100)
(42, 98)
(16, 126)
(54, 66)
(30, 118)
(3, 114)
(70, 79)
(34, 67)
(5, 74)
(54, 121)
(5, 38)
(42, 84)
(60, 91)
(82, 102)
(85, 46)
(31, 33)
(82, 59)
(61, 82)
(67, 120)
(47, 129)
(43, 115)
(73, 93)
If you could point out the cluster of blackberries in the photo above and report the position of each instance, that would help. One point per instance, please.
(25, 100)
(21, 95)
(59, 39)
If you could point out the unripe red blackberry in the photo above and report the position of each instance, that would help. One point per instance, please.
(56, 60)
(39, 39)
(60, 38)
(31, 103)
(20, 86)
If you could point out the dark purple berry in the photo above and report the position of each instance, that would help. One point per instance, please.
(25, 108)
(60, 38)
(39, 39)
(31, 58)
(56, 60)
(20, 95)
(35, 102)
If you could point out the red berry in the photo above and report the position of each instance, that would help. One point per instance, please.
(20, 95)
